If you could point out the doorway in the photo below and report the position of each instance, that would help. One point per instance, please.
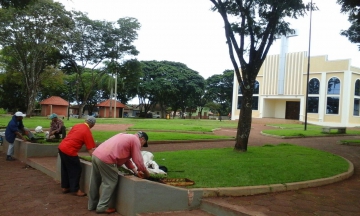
(292, 110)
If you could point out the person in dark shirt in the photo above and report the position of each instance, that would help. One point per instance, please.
(16, 129)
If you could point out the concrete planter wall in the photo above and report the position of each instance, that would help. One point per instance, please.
(24, 150)
(134, 195)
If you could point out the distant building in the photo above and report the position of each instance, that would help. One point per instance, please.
(334, 91)
(106, 109)
(54, 104)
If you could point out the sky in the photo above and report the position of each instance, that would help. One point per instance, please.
(187, 31)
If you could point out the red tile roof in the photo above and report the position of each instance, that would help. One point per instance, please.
(55, 100)
(107, 104)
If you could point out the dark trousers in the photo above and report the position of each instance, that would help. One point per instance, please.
(70, 172)
(62, 132)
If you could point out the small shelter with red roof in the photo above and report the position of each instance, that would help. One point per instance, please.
(106, 109)
(54, 104)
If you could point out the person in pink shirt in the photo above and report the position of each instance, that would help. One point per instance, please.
(106, 159)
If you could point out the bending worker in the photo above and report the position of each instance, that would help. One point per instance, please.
(106, 159)
(69, 147)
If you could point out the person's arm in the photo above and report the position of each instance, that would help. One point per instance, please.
(139, 161)
(89, 141)
(20, 135)
(91, 151)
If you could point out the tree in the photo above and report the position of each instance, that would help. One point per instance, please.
(220, 89)
(91, 43)
(257, 24)
(169, 84)
(352, 7)
(15, 3)
(30, 38)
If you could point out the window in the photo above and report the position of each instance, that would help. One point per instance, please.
(332, 106)
(357, 88)
(255, 102)
(334, 86)
(356, 106)
(314, 86)
(356, 98)
(333, 98)
(313, 105)
(313, 97)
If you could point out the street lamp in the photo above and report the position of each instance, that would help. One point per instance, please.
(69, 88)
(308, 70)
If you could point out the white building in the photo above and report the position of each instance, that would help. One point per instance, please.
(334, 90)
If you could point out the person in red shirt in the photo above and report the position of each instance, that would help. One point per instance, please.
(68, 150)
(106, 159)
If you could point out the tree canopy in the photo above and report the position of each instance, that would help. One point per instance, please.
(251, 26)
(31, 38)
(169, 84)
(352, 7)
(93, 42)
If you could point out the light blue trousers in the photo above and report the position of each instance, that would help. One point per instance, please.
(10, 151)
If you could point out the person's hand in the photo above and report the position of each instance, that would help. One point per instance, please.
(141, 175)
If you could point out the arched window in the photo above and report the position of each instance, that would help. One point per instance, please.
(333, 96)
(357, 88)
(314, 86)
(255, 103)
(357, 98)
(313, 98)
(334, 86)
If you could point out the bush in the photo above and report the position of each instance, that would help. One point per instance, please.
(2, 111)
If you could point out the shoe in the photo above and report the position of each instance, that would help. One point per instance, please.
(80, 193)
(107, 211)
(65, 190)
(9, 158)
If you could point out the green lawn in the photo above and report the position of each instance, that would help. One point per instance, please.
(201, 125)
(269, 164)
(297, 130)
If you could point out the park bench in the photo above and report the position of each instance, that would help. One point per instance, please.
(340, 130)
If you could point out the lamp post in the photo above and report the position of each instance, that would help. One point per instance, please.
(69, 88)
(308, 71)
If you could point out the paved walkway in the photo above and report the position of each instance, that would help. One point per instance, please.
(26, 191)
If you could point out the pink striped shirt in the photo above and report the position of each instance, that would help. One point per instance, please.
(119, 149)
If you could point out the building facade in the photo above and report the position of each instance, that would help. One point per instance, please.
(280, 90)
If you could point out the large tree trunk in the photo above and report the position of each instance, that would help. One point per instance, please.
(244, 124)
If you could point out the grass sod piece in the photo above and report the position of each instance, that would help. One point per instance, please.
(269, 164)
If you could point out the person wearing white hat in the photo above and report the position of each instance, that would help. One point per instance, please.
(15, 129)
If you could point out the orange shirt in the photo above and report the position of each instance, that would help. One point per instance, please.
(79, 135)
